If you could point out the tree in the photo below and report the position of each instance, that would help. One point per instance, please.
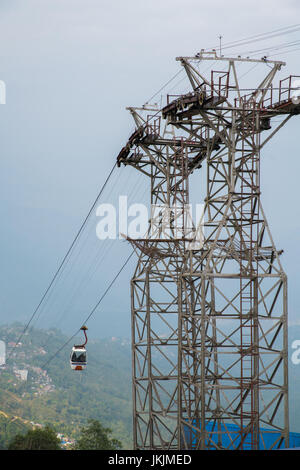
(36, 439)
(96, 437)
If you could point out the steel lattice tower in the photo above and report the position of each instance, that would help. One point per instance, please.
(220, 298)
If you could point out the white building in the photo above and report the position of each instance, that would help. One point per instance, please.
(2, 353)
(22, 374)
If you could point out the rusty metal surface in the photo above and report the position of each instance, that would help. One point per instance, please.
(209, 324)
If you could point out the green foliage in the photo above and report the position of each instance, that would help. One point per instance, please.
(101, 392)
(36, 439)
(8, 429)
(96, 437)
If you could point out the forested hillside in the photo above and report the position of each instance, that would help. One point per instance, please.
(54, 394)
(59, 396)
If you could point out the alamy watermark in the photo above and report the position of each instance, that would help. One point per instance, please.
(296, 354)
(162, 221)
(296, 92)
(2, 92)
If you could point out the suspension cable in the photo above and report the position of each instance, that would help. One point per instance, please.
(92, 311)
(64, 260)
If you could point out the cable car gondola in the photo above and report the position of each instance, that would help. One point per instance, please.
(78, 357)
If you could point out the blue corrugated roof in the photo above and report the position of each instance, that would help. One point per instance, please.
(230, 437)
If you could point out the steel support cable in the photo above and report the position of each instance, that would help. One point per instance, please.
(83, 244)
(65, 258)
(280, 46)
(92, 311)
(261, 37)
(255, 36)
(285, 52)
(164, 86)
(93, 267)
(97, 260)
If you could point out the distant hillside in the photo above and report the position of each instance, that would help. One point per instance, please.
(59, 396)
(67, 399)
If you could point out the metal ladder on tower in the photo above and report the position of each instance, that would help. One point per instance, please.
(248, 172)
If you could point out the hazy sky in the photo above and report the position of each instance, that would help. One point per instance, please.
(71, 67)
